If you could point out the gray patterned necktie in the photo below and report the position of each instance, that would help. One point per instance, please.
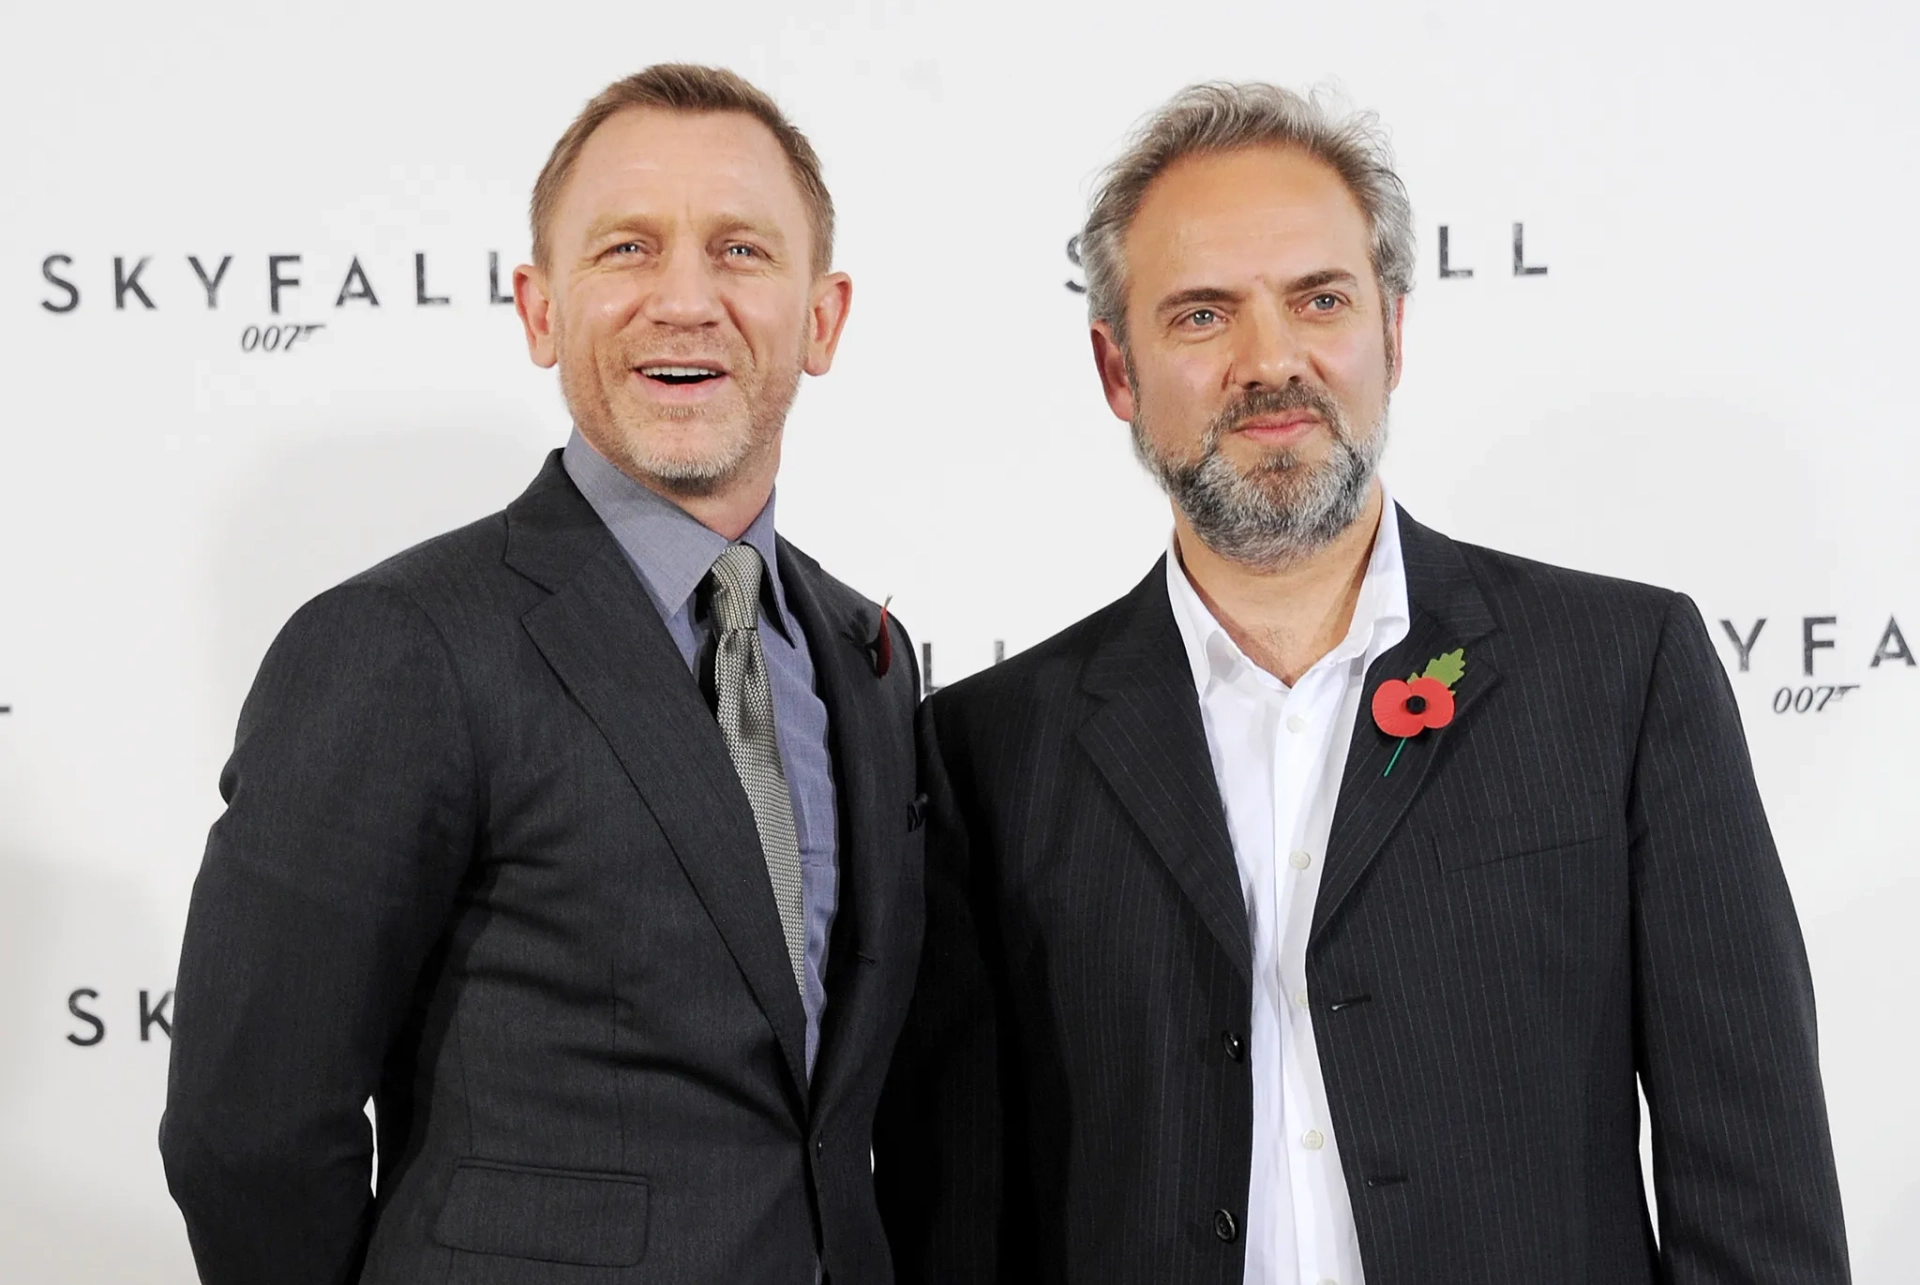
(743, 704)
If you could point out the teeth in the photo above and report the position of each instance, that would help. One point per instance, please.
(684, 372)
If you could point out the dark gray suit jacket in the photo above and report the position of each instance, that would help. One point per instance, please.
(485, 860)
(1570, 887)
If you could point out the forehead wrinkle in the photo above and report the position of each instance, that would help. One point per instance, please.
(711, 222)
(623, 173)
(1212, 213)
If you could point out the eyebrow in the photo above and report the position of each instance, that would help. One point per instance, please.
(608, 224)
(614, 224)
(768, 231)
(1198, 294)
(1324, 277)
(1218, 294)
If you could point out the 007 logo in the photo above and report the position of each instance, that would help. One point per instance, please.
(1810, 693)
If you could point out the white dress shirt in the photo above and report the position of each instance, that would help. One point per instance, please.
(1279, 754)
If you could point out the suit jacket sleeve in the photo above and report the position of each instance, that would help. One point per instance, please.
(349, 822)
(939, 1138)
(1743, 1164)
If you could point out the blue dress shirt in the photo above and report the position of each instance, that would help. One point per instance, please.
(672, 553)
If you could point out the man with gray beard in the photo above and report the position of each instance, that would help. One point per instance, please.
(1313, 913)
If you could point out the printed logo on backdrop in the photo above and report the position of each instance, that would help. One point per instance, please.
(267, 293)
(95, 1017)
(275, 289)
(929, 684)
(1451, 267)
(1828, 664)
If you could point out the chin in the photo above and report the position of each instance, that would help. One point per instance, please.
(687, 467)
(692, 468)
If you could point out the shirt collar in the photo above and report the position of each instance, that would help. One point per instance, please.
(668, 547)
(1381, 615)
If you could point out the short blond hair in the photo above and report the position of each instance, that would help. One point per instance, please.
(693, 89)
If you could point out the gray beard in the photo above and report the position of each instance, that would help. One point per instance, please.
(1282, 510)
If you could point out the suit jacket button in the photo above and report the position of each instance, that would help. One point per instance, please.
(1235, 1046)
(819, 1146)
(1225, 1227)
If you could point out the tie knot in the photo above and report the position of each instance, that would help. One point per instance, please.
(736, 587)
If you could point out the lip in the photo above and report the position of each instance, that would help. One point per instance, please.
(1278, 428)
(693, 394)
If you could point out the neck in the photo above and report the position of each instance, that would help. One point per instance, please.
(728, 511)
(1285, 618)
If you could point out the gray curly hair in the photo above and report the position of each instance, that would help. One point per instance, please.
(1219, 116)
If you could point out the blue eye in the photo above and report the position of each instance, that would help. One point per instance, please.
(1330, 302)
(743, 249)
(1203, 317)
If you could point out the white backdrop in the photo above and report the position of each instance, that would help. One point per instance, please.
(1703, 389)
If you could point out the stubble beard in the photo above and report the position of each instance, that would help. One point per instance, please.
(730, 446)
(1282, 509)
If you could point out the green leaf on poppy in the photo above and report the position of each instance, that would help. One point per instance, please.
(1448, 669)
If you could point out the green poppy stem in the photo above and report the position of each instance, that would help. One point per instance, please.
(1396, 755)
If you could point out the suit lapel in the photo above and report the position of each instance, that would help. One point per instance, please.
(1448, 612)
(1148, 741)
(608, 645)
(872, 753)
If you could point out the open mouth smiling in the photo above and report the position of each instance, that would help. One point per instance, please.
(680, 374)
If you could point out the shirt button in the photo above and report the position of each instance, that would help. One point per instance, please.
(1300, 860)
(1300, 998)
(1295, 723)
(1225, 1227)
(1314, 1140)
(1235, 1046)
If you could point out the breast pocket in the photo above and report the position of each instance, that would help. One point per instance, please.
(548, 1215)
(1532, 905)
(1567, 823)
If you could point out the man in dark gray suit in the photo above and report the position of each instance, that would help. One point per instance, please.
(1311, 913)
(582, 840)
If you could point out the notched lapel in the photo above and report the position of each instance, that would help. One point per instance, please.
(873, 764)
(1449, 612)
(607, 644)
(1149, 743)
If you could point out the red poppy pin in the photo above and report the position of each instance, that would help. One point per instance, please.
(882, 644)
(1426, 700)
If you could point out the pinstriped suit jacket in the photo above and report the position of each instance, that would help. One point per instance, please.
(486, 859)
(1569, 888)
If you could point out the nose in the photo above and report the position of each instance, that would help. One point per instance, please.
(1270, 353)
(684, 292)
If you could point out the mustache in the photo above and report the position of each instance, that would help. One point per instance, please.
(1276, 401)
(689, 350)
